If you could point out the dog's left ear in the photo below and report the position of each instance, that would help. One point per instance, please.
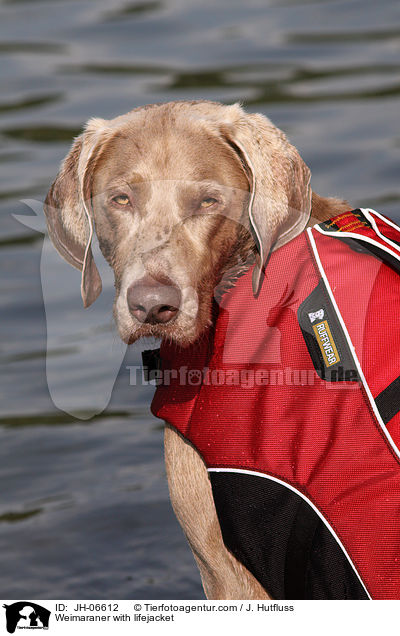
(280, 193)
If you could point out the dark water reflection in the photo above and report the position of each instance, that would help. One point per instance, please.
(84, 511)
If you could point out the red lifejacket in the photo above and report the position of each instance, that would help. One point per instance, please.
(293, 401)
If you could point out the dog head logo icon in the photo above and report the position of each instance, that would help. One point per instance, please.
(316, 315)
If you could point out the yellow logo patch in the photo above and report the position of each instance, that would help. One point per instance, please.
(326, 343)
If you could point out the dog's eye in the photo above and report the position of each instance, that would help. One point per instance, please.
(208, 202)
(121, 199)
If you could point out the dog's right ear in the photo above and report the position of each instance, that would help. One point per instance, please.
(68, 209)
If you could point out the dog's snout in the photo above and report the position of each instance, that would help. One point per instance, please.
(152, 301)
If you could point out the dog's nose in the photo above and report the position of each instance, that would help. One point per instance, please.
(152, 301)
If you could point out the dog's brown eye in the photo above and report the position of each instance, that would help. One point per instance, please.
(121, 199)
(207, 203)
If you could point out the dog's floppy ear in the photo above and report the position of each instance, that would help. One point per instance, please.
(68, 209)
(280, 193)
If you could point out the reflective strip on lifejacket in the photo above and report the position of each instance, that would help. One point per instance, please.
(339, 316)
(370, 216)
(362, 237)
(385, 219)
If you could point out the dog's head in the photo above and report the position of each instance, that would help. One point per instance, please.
(178, 194)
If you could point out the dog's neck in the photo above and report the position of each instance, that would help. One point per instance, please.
(324, 208)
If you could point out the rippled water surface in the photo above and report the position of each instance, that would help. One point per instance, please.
(84, 510)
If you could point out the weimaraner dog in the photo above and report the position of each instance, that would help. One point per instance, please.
(177, 194)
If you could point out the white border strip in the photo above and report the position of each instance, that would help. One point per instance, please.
(283, 483)
(382, 218)
(339, 316)
(367, 239)
(369, 214)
